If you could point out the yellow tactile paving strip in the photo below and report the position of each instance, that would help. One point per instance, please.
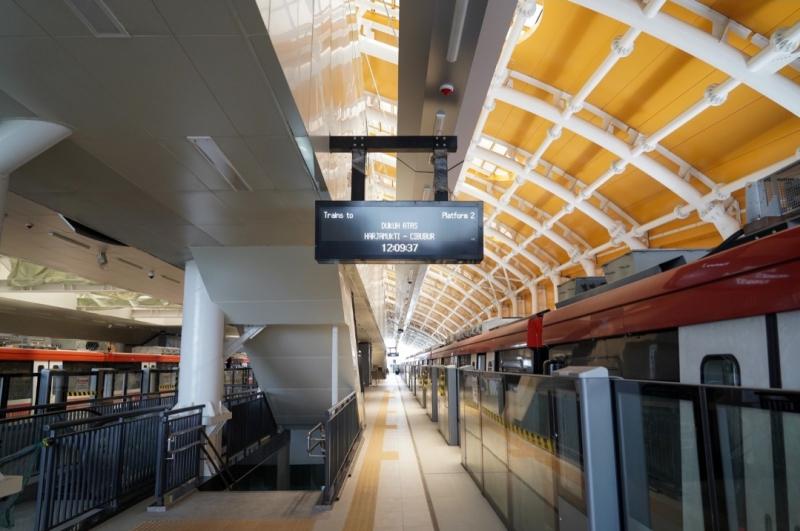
(361, 516)
(305, 524)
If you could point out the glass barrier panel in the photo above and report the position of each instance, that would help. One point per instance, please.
(757, 433)
(657, 437)
(569, 450)
(495, 444)
(471, 446)
(531, 454)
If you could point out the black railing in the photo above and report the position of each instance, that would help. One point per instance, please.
(19, 432)
(180, 445)
(96, 465)
(250, 423)
(336, 437)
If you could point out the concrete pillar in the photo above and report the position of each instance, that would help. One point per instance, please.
(555, 280)
(334, 365)
(284, 468)
(201, 366)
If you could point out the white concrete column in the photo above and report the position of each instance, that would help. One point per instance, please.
(335, 365)
(22, 139)
(555, 280)
(201, 366)
(534, 290)
(4, 178)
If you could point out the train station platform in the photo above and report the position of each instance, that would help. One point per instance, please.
(404, 478)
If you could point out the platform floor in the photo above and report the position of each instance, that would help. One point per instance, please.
(405, 478)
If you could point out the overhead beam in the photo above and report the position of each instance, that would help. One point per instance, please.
(702, 45)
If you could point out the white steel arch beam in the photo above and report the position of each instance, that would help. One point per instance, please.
(432, 309)
(539, 230)
(506, 291)
(433, 301)
(441, 331)
(489, 277)
(527, 173)
(378, 49)
(574, 182)
(441, 293)
(452, 276)
(522, 277)
(516, 248)
(721, 193)
(467, 296)
(711, 50)
(711, 212)
(546, 259)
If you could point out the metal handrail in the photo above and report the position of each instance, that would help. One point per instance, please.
(340, 433)
(100, 420)
(55, 407)
(319, 442)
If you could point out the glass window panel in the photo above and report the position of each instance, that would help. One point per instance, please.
(495, 481)
(746, 450)
(791, 436)
(720, 369)
(529, 510)
(493, 430)
(531, 460)
(659, 461)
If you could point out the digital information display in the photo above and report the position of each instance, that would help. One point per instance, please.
(434, 232)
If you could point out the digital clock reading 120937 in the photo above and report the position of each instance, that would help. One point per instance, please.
(436, 232)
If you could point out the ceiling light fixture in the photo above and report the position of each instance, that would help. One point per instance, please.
(457, 30)
(67, 239)
(214, 156)
(98, 17)
(129, 263)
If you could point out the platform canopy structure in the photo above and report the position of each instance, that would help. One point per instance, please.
(609, 125)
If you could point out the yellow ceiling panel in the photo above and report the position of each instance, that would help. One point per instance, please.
(653, 77)
(564, 49)
(587, 228)
(381, 73)
(748, 121)
(762, 16)
(579, 157)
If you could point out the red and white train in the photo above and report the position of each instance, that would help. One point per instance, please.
(19, 367)
(732, 318)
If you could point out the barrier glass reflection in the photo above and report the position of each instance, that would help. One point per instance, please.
(521, 443)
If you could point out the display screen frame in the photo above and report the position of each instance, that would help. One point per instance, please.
(353, 251)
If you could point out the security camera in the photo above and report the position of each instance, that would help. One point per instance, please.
(29, 225)
(151, 274)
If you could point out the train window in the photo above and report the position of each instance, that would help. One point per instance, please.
(720, 369)
(515, 360)
(652, 356)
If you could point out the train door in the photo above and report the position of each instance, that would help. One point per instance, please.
(481, 362)
(788, 330)
(705, 349)
(740, 352)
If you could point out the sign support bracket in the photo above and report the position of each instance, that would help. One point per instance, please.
(359, 146)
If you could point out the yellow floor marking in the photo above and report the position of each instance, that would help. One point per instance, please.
(304, 524)
(391, 426)
(390, 455)
(361, 516)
